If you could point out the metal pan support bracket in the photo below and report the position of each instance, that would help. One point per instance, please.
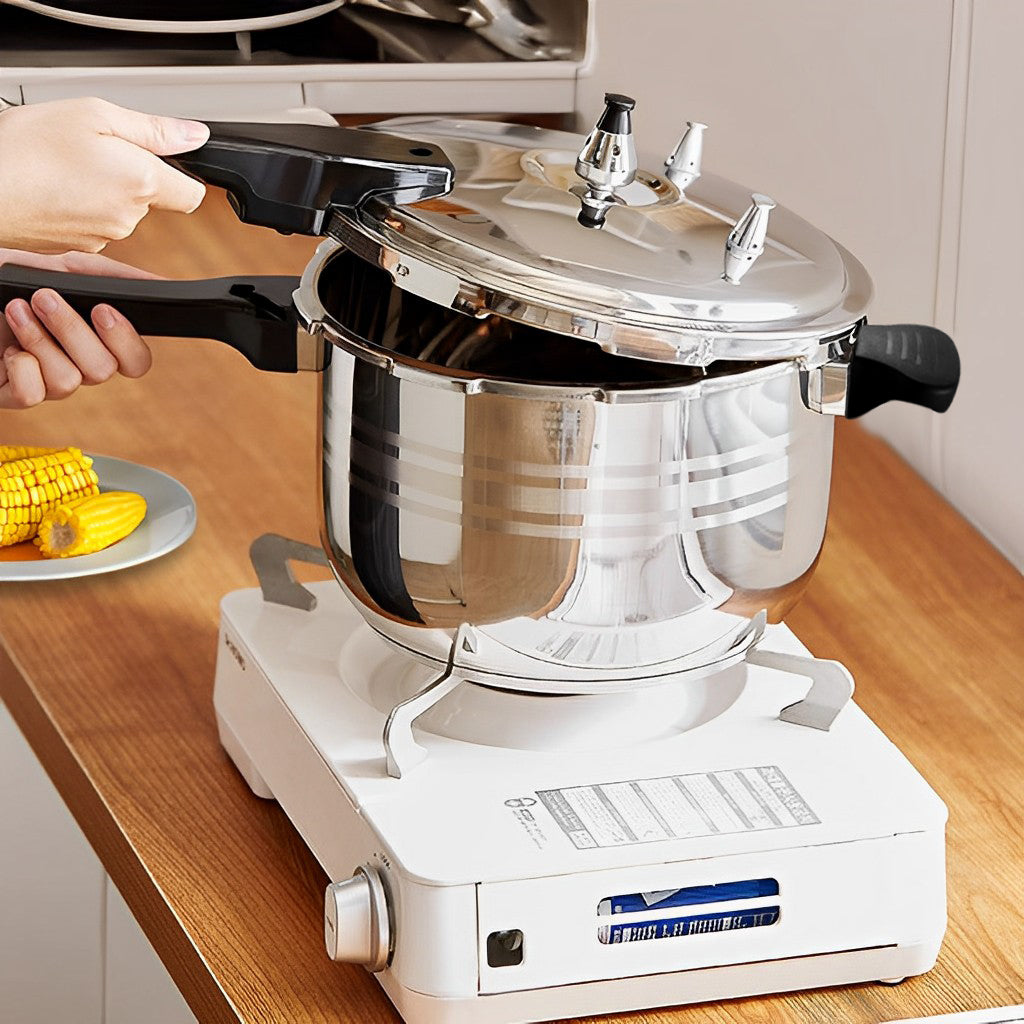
(831, 687)
(401, 750)
(271, 555)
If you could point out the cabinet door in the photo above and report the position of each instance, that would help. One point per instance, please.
(138, 987)
(51, 898)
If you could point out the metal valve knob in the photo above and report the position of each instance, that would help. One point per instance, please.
(746, 240)
(607, 160)
(682, 168)
(356, 925)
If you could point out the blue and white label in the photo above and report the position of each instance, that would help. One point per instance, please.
(694, 924)
(677, 807)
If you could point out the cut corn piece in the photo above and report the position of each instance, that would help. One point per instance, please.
(89, 524)
(31, 485)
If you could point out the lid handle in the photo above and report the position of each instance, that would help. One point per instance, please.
(607, 160)
(682, 167)
(287, 176)
(746, 240)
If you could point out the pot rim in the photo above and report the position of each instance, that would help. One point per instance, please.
(315, 319)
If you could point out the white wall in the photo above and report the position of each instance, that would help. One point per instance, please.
(982, 443)
(891, 125)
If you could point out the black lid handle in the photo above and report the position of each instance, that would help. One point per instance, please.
(287, 176)
(901, 362)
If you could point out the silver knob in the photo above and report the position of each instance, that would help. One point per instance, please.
(356, 925)
(607, 160)
(683, 167)
(746, 240)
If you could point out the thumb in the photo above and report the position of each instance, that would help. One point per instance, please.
(163, 136)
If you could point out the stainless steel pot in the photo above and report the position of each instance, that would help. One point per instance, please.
(602, 526)
(598, 519)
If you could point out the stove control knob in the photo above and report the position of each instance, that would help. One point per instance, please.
(683, 167)
(357, 929)
(746, 241)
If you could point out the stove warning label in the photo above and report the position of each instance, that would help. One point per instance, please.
(677, 807)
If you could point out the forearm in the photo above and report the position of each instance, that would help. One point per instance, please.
(4, 240)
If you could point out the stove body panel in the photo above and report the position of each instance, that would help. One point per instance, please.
(480, 839)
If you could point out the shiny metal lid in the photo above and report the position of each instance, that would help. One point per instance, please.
(687, 277)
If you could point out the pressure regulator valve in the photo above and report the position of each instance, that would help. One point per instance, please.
(607, 160)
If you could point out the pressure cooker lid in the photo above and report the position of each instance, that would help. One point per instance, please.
(572, 235)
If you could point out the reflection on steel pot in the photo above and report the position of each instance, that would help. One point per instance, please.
(603, 441)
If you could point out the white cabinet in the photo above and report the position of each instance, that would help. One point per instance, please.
(137, 986)
(70, 950)
(51, 898)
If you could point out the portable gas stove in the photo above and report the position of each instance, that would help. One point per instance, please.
(518, 856)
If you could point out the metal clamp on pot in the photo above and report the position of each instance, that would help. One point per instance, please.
(563, 402)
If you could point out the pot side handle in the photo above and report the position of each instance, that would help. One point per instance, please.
(251, 314)
(901, 362)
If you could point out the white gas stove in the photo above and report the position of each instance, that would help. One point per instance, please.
(520, 857)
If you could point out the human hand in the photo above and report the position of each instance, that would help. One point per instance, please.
(76, 174)
(47, 350)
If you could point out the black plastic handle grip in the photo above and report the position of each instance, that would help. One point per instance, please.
(901, 362)
(254, 315)
(287, 176)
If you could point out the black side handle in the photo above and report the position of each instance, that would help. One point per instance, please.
(251, 314)
(287, 176)
(901, 362)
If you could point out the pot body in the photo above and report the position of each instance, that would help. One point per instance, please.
(583, 531)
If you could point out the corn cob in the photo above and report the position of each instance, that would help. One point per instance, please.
(31, 486)
(10, 452)
(90, 524)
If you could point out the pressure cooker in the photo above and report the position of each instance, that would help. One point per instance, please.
(581, 404)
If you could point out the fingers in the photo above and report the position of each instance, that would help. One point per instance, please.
(47, 350)
(24, 385)
(60, 376)
(68, 349)
(122, 341)
(87, 352)
(163, 136)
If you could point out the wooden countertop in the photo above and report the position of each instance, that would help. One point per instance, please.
(110, 678)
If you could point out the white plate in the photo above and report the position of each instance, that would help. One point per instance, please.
(170, 521)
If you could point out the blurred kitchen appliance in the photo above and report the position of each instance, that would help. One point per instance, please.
(227, 59)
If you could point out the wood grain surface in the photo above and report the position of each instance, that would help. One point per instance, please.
(111, 679)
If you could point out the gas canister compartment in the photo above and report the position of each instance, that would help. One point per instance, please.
(691, 914)
(671, 913)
